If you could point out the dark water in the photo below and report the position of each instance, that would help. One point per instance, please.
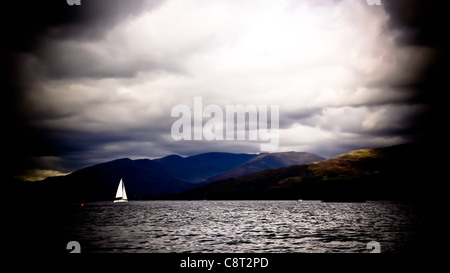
(240, 226)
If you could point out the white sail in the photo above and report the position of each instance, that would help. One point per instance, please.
(121, 195)
(120, 190)
(124, 193)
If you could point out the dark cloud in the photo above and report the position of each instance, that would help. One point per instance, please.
(30, 20)
(26, 24)
(62, 60)
(41, 26)
(420, 22)
(79, 91)
(93, 18)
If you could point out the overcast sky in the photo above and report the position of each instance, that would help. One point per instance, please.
(97, 82)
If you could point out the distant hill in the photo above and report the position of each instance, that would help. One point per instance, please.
(269, 161)
(396, 173)
(142, 177)
(145, 178)
(200, 168)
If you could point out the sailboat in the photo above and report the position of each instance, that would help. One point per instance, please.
(121, 195)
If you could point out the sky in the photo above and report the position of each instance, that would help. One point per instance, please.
(96, 82)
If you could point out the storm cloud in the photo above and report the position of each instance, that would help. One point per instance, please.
(98, 82)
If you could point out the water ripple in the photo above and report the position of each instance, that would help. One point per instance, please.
(242, 226)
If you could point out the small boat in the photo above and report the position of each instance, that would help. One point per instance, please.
(121, 195)
(299, 201)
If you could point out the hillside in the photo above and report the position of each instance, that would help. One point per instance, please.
(396, 172)
(149, 179)
(266, 161)
(200, 168)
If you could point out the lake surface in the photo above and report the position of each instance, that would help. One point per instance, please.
(240, 226)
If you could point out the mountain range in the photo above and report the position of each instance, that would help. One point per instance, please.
(149, 179)
(402, 172)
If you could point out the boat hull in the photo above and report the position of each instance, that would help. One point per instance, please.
(121, 201)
